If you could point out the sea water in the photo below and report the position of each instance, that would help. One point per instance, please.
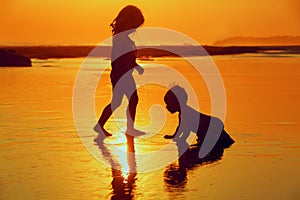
(43, 157)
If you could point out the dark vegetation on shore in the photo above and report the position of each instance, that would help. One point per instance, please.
(11, 58)
(46, 52)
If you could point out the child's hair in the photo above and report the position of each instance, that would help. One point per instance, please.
(176, 93)
(130, 17)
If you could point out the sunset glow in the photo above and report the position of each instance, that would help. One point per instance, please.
(87, 22)
(200, 102)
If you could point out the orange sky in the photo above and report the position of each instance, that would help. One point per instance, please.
(87, 21)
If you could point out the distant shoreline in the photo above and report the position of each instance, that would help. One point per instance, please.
(47, 52)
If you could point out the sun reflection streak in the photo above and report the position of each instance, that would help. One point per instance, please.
(120, 154)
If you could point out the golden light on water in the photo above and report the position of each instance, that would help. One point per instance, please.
(42, 155)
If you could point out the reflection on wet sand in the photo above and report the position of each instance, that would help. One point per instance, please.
(123, 174)
(175, 175)
(124, 167)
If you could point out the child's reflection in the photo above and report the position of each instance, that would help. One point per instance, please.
(175, 175)
(123, 174)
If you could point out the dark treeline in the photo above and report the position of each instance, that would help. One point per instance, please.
(46, 52)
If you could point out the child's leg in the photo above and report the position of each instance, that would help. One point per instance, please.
(108, 110)
(132, 96)
(103, 119)
(131, 110)
(225, 139)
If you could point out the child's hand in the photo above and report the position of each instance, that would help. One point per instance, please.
(139, 69)
(169, 136)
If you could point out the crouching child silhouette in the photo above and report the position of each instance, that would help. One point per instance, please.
(191, 120)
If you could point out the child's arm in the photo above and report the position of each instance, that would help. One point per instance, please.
(177, 132)
(131, 60)
(138, 68)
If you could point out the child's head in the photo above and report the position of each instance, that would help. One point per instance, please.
(130, 17)
(175, 98)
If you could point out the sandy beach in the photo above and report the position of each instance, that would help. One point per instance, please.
(43, 157)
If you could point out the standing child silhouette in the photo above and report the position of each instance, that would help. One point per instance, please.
(123, 62)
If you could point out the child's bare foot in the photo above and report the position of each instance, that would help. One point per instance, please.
(98, 129)
(134, 132)
(169, 136)
(99, 139)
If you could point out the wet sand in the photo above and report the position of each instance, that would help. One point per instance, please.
(42, 156)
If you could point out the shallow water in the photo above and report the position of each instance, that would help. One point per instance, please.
(42, 156)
